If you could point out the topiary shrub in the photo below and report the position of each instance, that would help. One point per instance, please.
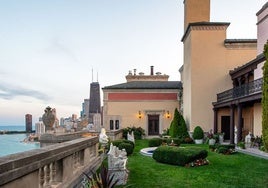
(155, 142)
(118, 143)
(127, 146)
(177, 155)
(198, 133)
(174, 126)
(178, 128)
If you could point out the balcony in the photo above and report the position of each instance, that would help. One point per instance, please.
(244, 90)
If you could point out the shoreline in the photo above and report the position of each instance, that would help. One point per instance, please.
(14, 132)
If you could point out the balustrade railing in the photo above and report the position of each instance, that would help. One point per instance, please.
(59, 165)
(241, 91)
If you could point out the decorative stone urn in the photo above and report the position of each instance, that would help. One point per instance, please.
(198, 141)
(48, 119)
(211, 141)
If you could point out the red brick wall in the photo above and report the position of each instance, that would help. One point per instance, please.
(142, 96)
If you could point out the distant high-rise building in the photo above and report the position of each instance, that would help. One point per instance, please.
(28, 122)
(40, 128)
(94, 100)
(85, 109)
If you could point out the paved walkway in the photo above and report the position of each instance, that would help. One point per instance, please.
(254, 152)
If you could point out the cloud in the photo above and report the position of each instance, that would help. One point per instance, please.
(9, 92)
(60, 48)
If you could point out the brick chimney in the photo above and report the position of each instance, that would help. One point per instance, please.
(152, 70)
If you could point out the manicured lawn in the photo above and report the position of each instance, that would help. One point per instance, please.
(237, 170)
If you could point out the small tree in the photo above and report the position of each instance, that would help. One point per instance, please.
(178, 126)
(183, 132)
(174, 126)
(265, 99)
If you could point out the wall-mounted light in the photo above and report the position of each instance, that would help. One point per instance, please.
(139, 115)
(168, 114)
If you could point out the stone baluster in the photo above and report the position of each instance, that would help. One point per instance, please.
(41, 177)
(47, 175)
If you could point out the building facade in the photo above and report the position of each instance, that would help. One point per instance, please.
(28, 122)
(238, 110)
(208, 58)
(146, 101)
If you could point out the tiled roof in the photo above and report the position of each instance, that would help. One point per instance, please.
(147, 85)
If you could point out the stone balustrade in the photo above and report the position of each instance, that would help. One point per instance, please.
(115, 134)
(58, 165)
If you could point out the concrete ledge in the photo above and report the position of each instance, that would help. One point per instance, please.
(253, 152)
(71, 159)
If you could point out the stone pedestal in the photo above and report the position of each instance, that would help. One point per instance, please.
(120, 175)
(117, 160)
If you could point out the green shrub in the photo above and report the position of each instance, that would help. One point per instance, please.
(124, 144)
(241, 145)
(117, 142)
(127, 146)
(138, 132)
(198, 133)
(224, 149)
(178, 128)
(264, 100)
(188, 140)
(155, 142)
(178, 155)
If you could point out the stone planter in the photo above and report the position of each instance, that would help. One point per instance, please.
(211, 141)
(198, 141)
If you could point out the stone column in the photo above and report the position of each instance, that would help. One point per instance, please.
(215, 129)
(232, 124)
(239, 122)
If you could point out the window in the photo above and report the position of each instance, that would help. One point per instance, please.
(111, 124)
(116, 124)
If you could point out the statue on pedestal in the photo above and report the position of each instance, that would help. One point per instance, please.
(117, 161)
(131, 137)
(49, 119)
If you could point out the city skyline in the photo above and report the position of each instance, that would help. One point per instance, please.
(48, 49)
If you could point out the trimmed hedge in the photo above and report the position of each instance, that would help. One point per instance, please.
(224, 149)
(155, 142)
(128, 147)
(126, 144)
(178, 155)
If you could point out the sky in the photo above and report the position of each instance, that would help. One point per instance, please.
(48, 48)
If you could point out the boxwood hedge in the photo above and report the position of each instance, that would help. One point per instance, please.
(178, 155)
(126, 144)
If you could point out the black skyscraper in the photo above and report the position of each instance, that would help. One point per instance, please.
(94, 100)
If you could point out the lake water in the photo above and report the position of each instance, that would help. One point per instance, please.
(12, 143)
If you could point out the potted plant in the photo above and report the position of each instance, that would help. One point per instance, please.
(198, 135)
(211, 138)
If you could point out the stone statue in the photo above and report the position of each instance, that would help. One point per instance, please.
(48, 118)
(117, 160)
(103, 138)
(131, 137)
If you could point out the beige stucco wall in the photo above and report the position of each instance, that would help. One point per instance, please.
(127, 111)
(196, 11)
(257, 119)
(262, 25)
(247, 115)
(207, 62)
(186, 81)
